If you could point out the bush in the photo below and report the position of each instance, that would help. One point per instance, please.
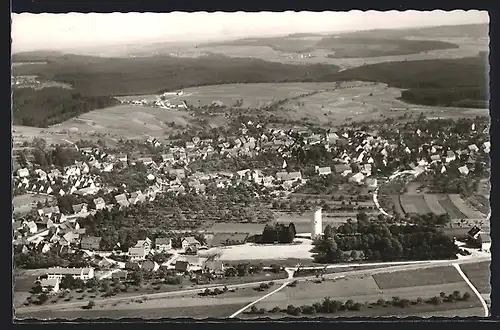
(308, 309)
(466, 296)
(292, 310)
(90, 305)
(275, 309)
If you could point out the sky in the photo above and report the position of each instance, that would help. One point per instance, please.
(76, 30)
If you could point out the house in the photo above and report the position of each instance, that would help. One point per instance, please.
(473, 148)
(136, 197)
(163, 244)
(105, 263)
(145, 160)
(435, 158)
(181, 267)
(178, 173)
(121, 275)
(215, 267)
(77, 273)
(190, 145)
(122, 157)
(295, 176)
(87, 191)
(474, 232)
(485, 242)
(357, 178)
(189, 242)
(49, 211)
(463, 170)
(80, 208)
(132, 265)
(145, 243)
(323, 170)
(31, 227)
(150, 265)
(487, 146)
(167, 158)
(122, 200)
(23, 172)
(137, 253)
(50, 285)
(99, 203)
(343, 169)
(450, 156)
(90, 243)
(176, 104)
(68, 239)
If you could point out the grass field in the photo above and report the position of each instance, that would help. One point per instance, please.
(222, 227)
(418, 277)
(365, 289)
(479, 274)
(27, 202)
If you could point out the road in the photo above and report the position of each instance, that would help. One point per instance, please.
(473, 288)
(290, 277)
(400, 267)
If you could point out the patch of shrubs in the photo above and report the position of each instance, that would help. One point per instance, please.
(214, 292)
(332, 306)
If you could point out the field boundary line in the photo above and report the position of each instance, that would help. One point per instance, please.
(473, 288)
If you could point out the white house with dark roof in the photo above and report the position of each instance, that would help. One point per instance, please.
(23, 172)
(189, 241)
(163, 244)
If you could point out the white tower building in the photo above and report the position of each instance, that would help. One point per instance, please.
(316, 224)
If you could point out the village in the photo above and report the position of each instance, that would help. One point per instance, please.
(364, 158)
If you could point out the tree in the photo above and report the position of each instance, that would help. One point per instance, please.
(42, 299)
(328, 232)
(269, 234)
(137, 277)
(67, 282)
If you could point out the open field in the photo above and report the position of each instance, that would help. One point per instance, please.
(251, 251)
(359, 100)
(206, 311)
(479, 274)
(27, 202)
(418, 277)
(303, 222)
(365, 289)
(414, 204)
(252, 95)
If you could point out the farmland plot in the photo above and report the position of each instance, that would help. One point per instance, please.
(397, 203)
(433, 204)
(450, 208)
(464, 208)
(414, 204)
(417, 277)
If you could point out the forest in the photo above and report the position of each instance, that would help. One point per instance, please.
(99, 76)
(49, 106)
(438, 82)
(382, 242)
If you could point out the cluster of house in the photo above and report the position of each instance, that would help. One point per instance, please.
(161, 101)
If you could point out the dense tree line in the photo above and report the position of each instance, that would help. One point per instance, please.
(278, 233)
(381, 242)
(49, 106)
(463, 97)
(350, 47)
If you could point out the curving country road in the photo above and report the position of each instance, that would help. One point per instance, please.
(473, 288)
